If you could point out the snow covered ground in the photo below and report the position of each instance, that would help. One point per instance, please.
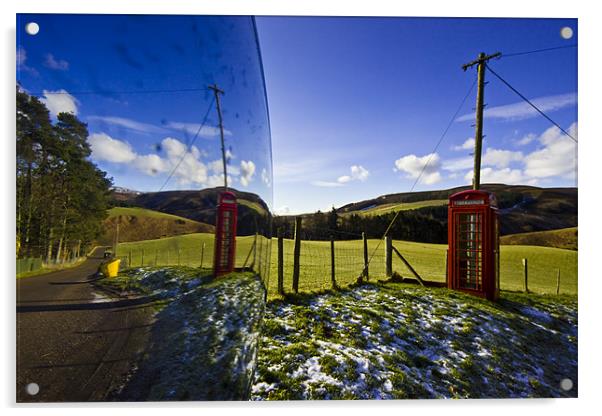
(403, 341)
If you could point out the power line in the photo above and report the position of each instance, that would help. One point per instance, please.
(451, 121)
(529, 102)
(101, 92)
(188, 146)
(506, 55)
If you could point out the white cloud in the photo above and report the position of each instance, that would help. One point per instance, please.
(60, 101)
(500, 158)
(217, 167)
(21, 56)
(528, 138)
(128, 124)
(492, 157)
(21, 62)
(53, 63)
(193, 128)
(326, 184)
(265, 177)
(247, 170)
(557, 157)
(150, 164)
(185, 163)
(283, 210)
(218, 180)
(507, 176)
(522, 110)
(467, 145)
(413, 166)
(105, 148)
(358, 173)
(188, 168)
(457, 164)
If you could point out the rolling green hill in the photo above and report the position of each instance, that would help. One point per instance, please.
(137, 224)
(394, 207)
(564, 238)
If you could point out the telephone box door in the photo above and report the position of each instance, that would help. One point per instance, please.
(225, 234)
(468, 250)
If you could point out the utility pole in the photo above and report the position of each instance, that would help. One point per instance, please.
(116, 240)
(217, 92)
(478, 139)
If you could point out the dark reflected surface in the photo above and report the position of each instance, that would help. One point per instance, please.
(119, 145)
(141, 85)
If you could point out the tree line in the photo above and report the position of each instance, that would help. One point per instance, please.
(427, 225)
(62, 197)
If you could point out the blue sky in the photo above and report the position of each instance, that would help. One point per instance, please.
(377, 93)
(356, 104)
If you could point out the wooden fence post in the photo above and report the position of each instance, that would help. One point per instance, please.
(558, 282)
(297, 253)
(280, 263)
(526, 272)
(130, 258)
(202, 255)
(259, 256)
(332, 267)
(254, 251)
(388, 256)
(179, 255)
(365, 273)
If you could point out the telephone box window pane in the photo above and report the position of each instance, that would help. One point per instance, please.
(469, 237)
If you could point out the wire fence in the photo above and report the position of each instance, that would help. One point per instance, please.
(315, 262)
(549, 271)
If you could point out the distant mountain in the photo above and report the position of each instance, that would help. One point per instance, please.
(522, 208)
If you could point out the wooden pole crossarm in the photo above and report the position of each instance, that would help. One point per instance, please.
(482, 58)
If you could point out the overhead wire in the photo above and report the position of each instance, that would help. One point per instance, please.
(506, 55)
(107, 92)
(529, 102)
(451, 121)
(189, 146)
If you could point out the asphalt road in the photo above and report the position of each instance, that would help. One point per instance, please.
(74, 344)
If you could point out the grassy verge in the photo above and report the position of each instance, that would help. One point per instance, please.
(50, 269)
(400, 341)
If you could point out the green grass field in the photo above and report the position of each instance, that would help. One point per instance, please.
(406, 206)
(427, 259)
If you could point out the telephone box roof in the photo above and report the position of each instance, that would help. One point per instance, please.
(471, 194)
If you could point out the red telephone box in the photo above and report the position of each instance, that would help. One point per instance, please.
(225, 234)
(473, 238)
